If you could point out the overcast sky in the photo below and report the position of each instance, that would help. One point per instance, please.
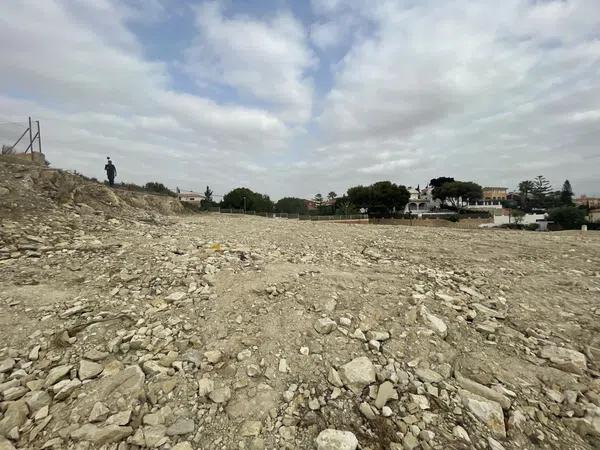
(293, 97)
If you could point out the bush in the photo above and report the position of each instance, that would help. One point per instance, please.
(567, 217)
(512, 226)
(532, 227)
(453, 219)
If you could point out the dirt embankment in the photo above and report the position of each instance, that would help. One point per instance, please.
(27, 186)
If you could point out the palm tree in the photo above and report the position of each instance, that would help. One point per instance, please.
(525, 189)
(332, 195)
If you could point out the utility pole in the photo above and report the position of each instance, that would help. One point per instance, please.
(30, 138)
(39, 134)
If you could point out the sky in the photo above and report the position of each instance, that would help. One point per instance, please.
(298, 97)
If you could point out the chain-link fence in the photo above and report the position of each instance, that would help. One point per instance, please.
(20, 137)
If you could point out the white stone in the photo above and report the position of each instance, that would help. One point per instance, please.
(213, 356)
(325, 326)
(487, 411)
(461, 433)
(434, 322)
(385, 393)
(175, 297)
(205, 386)
(357, 374)
(89, 369)
(244, 354)
(428, 375)
(336, 440)
(220, 395)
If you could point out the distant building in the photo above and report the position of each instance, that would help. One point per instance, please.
(594, 216)
(421, 200)
(484, 205)
(311, 205)
(191, 197)
(495, 193)
(588, 202)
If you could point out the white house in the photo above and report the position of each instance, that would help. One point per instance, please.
(191, 197)
(421, 200)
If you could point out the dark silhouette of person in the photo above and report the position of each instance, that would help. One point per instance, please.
(111, 172)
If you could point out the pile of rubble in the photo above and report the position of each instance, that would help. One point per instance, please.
(125, 329)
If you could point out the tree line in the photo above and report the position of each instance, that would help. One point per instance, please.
(382, 197)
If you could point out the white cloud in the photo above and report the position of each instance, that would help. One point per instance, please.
(267, 60)
(495, 92)
(82, 72)
(474, 86)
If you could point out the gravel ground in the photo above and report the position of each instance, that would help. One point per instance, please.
(125, 329)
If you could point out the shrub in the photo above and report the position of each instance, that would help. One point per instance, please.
(567, 217)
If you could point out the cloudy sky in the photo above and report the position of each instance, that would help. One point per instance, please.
(295, 97)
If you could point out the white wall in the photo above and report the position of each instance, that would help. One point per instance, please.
(527, 219)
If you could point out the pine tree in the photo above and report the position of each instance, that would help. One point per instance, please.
(541, 190)
(566, 194)
(208, 193)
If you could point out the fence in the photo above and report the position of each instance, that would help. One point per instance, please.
(289, 216)
(18, 138)
(443, 223)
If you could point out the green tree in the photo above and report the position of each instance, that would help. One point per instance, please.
(566, 194)
(458, 192)
(253, 201)
(331, 196)
(568, 217)
(437, 182)
(155, 186)
(381, 195)
(208, 199)
(541, 192)
(525, 190)
(343, 205)
(291, 205)
(518, 216)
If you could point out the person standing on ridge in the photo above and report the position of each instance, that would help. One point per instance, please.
(111, 171)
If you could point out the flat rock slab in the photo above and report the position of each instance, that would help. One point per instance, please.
(124, 386)
(565, 359)
(255, 408)
(101, 435)
(487, 411)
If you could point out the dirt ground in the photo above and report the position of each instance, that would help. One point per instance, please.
(219, 332)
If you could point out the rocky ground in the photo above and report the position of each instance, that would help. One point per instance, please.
(124, 329)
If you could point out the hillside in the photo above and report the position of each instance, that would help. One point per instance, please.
(28, 187)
